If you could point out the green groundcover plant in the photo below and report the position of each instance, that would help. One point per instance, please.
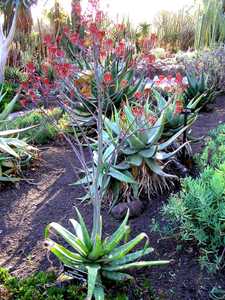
(50, 123)
(197, 214)
(49, 286)
(214, 150)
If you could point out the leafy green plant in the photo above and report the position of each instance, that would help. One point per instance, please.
(98, 259)
(175, 30)
(214, 150)
(198, 86)
(90, 254)
(14, 75)
(137, 165)
(197, 214)
(45, 131)
(210, 62)
(9, 92)
(39, 286)
(210, 24)
(119, 85)
(174, 119)
(14, 153)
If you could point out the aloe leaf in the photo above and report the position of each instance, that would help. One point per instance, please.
(137, 265)
(157, 168)
(135, 143)
(160, 155)
(9, 179)
(15, 131)
(92, 278)
(122, 166)
(128, 151)
(161, 101)
(85, 232)
(4, 147)
(132, 257)
(129, 115)
(135, 160)
(116, 276)
(121, 176)
(112, 126)
(121, 251)
(70, 238)
(166, 144)
(61, 252)
(9, 108)
(85, 180)
(156, 131)
(97, 250)
(117, 236)
(148, 153)
(108, 153)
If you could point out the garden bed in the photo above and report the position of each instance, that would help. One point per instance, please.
(46, 196)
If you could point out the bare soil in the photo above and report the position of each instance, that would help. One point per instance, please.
(26, 209)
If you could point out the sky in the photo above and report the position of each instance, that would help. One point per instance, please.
(137, 10)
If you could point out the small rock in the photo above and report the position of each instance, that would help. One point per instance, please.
(135, 207)
(119, 211)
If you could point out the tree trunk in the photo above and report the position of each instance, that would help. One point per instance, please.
(4, 51)
(5, 44)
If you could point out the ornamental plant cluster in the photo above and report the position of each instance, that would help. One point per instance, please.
(134, 128)
(197, 212)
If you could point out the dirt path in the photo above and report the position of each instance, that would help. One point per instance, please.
(27, 209)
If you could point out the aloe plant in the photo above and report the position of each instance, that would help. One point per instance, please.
(98, 259)
(174, 121)
(120, 86)
(137, 164)
(14, 153)
(198, 86)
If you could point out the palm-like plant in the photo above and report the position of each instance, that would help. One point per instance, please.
(99, 259)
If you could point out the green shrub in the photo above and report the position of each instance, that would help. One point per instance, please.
(214, 151)
(46, 131)
(42, 286)
(199, 210)
(14, 75)
(10, 90)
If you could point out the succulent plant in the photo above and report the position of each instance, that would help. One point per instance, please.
(137, 164)
(97, 259)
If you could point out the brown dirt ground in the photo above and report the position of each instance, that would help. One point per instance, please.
(26, 209)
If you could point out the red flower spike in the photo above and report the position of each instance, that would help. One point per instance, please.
(74, 38)
(152, 120)
(30, 67)
(48, 40)
(179, 78)
(59, 53)
(66, 30)
(179, 108)
(124, 83)
(120, 50)
(138, 95)
(107, 78)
